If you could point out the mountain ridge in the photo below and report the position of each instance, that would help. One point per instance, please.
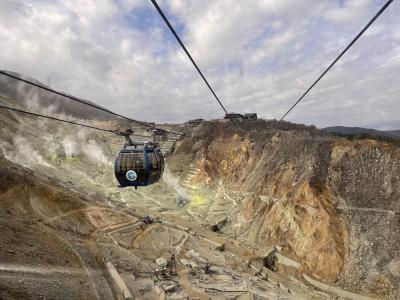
(354, 130)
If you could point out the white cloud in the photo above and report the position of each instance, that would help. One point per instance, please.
(258, 55)
(349, 11)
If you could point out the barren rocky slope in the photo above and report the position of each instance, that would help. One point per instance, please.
(68, 232)
(332, 204)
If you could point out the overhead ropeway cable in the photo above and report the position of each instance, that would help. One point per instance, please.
(62, 120)
(134, 161)
(340, 55)
(163, 16)
(81, 101)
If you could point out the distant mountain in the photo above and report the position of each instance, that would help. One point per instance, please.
(351, 131)
(394, 132)
(385, 125)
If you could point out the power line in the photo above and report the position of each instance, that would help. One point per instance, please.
(340, 55)
(188, 54)
(80, 101)
(61, 120)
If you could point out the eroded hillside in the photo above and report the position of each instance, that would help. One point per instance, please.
(327, 207)
(332, 204)
(69, 232)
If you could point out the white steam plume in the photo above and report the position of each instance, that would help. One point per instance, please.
(21, 152)
(77, 145)
(173, 182)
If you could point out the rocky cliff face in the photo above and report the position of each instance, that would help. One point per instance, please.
(332, 204)
(64, 220)
(365, 180)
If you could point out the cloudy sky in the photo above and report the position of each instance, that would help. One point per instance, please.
(259, 55)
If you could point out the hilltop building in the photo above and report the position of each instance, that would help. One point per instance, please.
(236, 116)
(250, 116)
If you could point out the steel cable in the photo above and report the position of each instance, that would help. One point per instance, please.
(81, 101)
(340, 55)
(163, 16)
(61, 120)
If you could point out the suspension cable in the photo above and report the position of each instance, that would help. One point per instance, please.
(64, 121)
(190, 57)
(81, 101)
(340, 55)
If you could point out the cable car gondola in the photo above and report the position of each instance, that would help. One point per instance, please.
(138, 164)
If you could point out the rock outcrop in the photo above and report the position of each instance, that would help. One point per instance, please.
(332, 204)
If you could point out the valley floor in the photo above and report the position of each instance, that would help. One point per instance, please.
(68, 232)
(57, 243)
